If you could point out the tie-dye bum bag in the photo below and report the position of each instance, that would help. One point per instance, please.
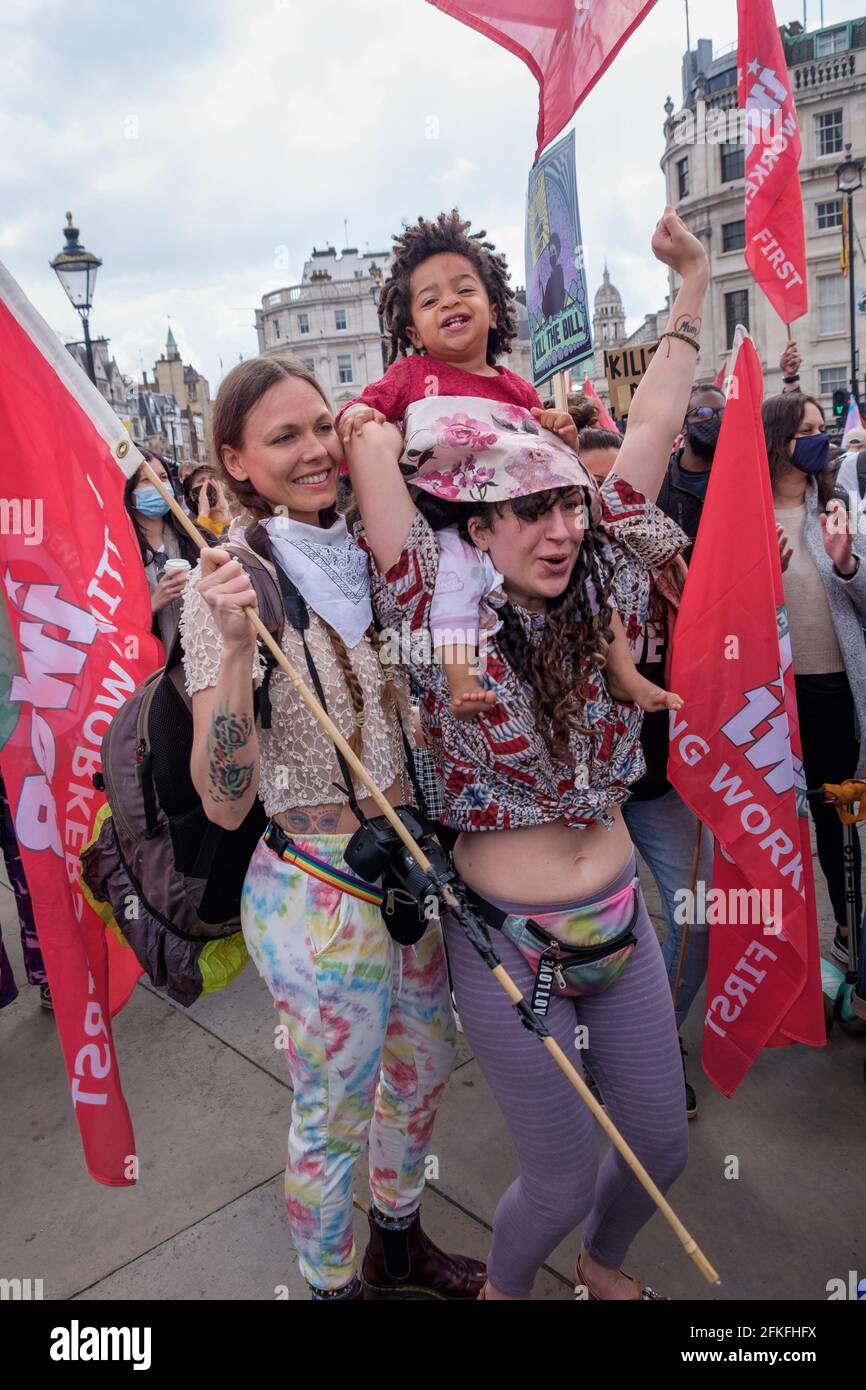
(578, 951)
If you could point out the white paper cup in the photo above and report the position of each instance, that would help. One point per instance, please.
(177, 567)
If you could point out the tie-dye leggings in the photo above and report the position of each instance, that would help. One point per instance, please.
(369, 1036)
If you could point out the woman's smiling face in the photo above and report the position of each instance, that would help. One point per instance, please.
(290, 451)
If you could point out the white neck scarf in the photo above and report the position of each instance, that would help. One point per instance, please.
(330, 570)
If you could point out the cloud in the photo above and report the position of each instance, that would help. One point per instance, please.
(205, 148)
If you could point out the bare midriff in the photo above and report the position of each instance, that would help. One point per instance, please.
(541, 864)
(336, 818)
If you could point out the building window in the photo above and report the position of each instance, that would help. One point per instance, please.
(340, 319)
(736, 311)
(831, 304)
(276, 330)
(344, 368)
(832, 379)
(733, 162)
(832, 41)
(303, 323)
(829, 215)
(733, 236)
(682, 167)
(828, 132)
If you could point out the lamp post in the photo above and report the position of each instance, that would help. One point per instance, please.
(76, 270)
(849, 180)
(375, 274)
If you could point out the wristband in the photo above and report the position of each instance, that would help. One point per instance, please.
(684, 337)
(789, 380)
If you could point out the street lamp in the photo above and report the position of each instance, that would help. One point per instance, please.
(76, 270)
(375, 274)
(849, 180)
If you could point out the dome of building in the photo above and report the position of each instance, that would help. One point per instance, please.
(606, 292)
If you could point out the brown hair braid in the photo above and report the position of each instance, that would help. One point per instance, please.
(575, 638)
(416, 244)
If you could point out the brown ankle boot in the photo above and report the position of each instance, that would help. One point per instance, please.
(406, 1264)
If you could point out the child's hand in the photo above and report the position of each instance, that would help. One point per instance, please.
(374, 439)
(352, 421)
(560, 422)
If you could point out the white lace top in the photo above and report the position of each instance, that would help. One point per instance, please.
(298, 766)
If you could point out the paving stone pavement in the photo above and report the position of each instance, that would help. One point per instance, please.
(209, 1095)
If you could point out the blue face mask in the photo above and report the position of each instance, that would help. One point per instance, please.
(811, 453)
(149, 502)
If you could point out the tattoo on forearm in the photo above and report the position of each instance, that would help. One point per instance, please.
(686, 324)
(230, 733)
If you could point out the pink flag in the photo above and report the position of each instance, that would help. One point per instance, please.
(566, 44)
(605, 421)
(79, 611)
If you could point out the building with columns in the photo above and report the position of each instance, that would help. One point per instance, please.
(330, 320)
(703, 164)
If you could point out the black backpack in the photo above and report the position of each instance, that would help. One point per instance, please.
(171, 879)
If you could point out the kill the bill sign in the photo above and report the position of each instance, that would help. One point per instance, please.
(556, 299)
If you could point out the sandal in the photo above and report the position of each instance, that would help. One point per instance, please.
(644, 1291)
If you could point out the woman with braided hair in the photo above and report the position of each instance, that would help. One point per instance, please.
(366, 1023)
(447, 298)
(534, 785)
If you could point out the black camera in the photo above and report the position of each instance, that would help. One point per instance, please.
(376, 851)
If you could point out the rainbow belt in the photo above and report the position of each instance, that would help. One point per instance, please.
(277, 840)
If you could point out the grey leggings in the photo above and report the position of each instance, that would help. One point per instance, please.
(633, 1054)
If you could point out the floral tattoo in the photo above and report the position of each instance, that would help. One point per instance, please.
(229, 733)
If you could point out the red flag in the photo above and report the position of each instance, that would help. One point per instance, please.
(79, 609)
(719, 379)
(566, 44)
(775, 231)
(736, 759)
(605, 421)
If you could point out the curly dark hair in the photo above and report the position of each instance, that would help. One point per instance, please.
(416, 244)
(782, 416)
(575, 639)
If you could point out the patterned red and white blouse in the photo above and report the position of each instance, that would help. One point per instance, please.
(496, 771)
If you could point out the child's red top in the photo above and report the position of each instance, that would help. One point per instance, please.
(412, 378)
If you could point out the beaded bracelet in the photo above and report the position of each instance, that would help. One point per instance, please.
(673, 333)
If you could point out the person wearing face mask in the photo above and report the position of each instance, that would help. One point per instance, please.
(850, 477)
(160, 539)
(825, 598)
(685, 485)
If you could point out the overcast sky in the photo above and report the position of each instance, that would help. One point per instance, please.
(205, 146)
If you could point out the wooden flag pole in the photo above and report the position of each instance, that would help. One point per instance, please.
(688, 1243)
(681, 958)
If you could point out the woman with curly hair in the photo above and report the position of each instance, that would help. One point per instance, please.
(447, 298)
(534, 785)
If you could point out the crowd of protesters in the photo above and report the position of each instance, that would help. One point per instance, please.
(566, 563)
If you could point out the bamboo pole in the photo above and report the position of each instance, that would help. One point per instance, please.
(688, 1243)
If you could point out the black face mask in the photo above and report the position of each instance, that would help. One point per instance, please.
(703, 436)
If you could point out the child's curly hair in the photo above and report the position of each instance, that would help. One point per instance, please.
(416, 244)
